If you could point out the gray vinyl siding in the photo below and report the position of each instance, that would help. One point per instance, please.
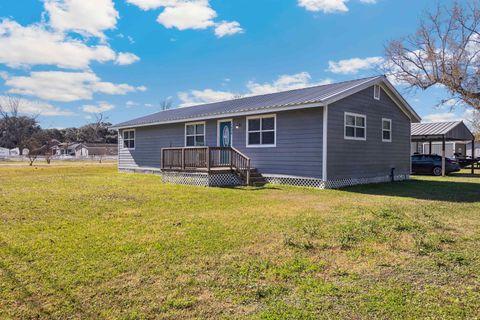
(370, 158)
(298, 150)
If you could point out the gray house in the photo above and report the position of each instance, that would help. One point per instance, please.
(324, 136)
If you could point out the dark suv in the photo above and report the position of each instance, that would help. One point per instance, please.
(432, 164)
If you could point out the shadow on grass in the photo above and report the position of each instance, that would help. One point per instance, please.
(450, 191)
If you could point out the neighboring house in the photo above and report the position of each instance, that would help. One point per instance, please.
(76, 150)
(79, 150)
(325, 136)
(16, 152)
(469, 149)
(452, 149)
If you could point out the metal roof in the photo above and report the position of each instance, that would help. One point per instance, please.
(267, 102)
(453, 130)
(433, 128)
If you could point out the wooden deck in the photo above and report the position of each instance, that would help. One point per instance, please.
(207, 159)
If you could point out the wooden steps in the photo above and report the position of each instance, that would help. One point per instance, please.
(256, 178)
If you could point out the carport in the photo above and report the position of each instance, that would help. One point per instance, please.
(443, 132)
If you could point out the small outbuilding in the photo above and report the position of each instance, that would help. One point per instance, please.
(442, 132)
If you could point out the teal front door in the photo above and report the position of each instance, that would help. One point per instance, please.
(225, 140)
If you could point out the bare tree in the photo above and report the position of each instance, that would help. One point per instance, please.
(166, 104)
(444, 51)
(475, 124)
(15, 130)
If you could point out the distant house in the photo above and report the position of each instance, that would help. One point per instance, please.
(80, 150)
(469, 149)
(324, 136)
(76, 150)
(16, 152)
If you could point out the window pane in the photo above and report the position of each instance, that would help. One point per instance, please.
(386, 135)
(360, 132)
(190, 130)
(386, 125)
(132, 144)
(268, 137)
(268, 123)
(360, 122)
(200, 129)
(200, 140)
(125, 135)
(350, 120)
(190, 141)
(253, 124)
(350, 132)
(125, 144)
(254, 138)
(132, 134)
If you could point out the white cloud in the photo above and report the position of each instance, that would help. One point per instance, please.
(125, 58)
(368, 1)
(226, 28)
(352, 66)
(466, 116)
(327, 6)
(101, 107)
(195, 97)
(35, 45)
(3, 75)
(283, 83)
(153, 4)
(65, 86)
(131, 104)
(37, 107)
(188, 15)
(87, 17)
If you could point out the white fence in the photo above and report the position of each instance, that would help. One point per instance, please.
(59, 158)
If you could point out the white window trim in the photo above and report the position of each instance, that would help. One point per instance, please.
(375, 92)
(345, 126)
(204, 133)
(391, 130)
(218, 130)
(274, 131)
(134, 139)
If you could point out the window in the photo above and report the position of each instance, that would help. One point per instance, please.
(129, 139)
(261, 131)
(355, 126)
(195, 134)
(386, 130)
(376, 92)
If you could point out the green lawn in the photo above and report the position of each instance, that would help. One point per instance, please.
(85, 242)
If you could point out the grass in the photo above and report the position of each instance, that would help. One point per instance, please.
(87, 242)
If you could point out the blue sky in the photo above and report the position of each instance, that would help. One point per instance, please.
(70, 59)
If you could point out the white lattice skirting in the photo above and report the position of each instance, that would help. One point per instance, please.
(332, 184)
(192, 178)
(230, 179)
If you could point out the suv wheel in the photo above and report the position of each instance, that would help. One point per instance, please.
(437, 171)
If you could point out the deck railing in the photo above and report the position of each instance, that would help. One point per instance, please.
(206, 159)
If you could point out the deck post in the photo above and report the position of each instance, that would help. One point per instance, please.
(443, 156)
(430, 147)
(473, 156)
(231, 158)
(208, 159)
(183, 158)
(248, 172)
(162, 154)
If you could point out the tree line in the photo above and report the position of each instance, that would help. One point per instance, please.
(24, 131)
